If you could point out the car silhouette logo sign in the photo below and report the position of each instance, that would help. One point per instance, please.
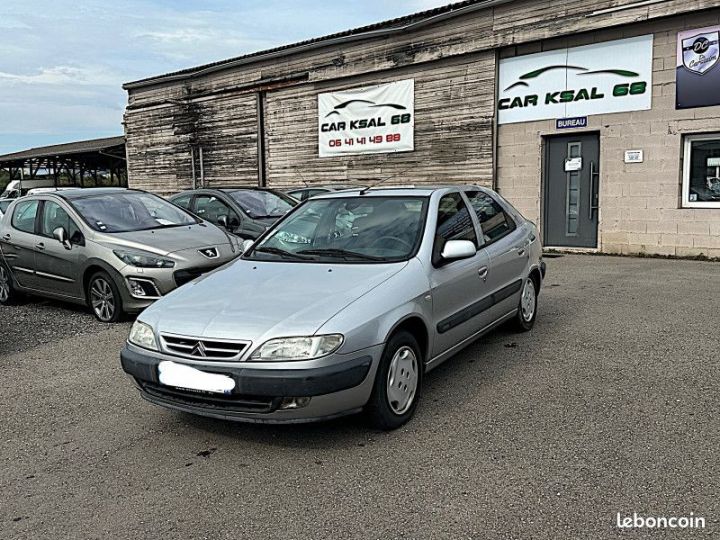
(210, 253)
(700, 53)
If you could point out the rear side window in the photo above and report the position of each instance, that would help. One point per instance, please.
(24, 216)
(494, 221)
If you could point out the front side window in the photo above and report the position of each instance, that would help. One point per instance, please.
(494, 222)
(24, 216)
(353, 229)
(4, 205)
(183, 200)
(701, 178)
(262, 204)
(130, 211)
(55, 216)
(212, 209)
(454, 223)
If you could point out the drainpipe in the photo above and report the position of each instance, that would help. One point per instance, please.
(192, 164)
(202, 167)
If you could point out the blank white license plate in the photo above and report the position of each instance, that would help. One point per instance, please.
(182, 376)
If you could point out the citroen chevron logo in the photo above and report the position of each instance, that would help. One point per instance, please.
(199, 350)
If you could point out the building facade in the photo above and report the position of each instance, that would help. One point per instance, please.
(599, 120)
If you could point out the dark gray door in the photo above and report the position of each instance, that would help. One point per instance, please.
(571, 191)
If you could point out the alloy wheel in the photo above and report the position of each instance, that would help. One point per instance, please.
(4, 285)
(102, 299)
(527, 302)
(402, 380)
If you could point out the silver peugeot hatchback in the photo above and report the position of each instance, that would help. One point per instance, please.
(117, 250)
(342, 306)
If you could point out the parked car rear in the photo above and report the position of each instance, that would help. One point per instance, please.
(244, 212)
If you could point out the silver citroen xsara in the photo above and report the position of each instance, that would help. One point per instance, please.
(341, 307)
(116, 250)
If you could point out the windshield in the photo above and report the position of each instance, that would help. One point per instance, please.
(130, 211)
(353, 229)
(260, 204)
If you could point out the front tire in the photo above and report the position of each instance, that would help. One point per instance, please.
(527, 309)
(397, 383)
(104, 298)
(8, 294)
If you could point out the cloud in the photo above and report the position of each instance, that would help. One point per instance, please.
(63, 75)
(63, 63)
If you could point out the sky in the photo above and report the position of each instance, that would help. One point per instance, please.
(62, 64)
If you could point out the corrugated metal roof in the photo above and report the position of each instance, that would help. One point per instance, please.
(78, 147)
(384, 25)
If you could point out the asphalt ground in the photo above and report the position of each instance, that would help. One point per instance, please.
(609, 405)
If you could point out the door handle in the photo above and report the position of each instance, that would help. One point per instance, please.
(483, 272)
(6, 237)
(40, 246)
(594, 176)
(521, 252)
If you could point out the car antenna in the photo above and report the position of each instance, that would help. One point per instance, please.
(302, 178)
(383, 180)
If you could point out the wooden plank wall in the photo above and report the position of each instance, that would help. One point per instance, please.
(453, 130)
(452, 62)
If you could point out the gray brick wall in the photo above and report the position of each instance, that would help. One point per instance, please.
(640, 204)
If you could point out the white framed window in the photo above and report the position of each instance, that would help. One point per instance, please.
(701, 171)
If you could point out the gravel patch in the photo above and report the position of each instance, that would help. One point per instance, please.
(36, 321)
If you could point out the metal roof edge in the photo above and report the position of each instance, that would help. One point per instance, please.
(318, 43)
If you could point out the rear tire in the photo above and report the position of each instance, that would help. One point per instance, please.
(396, 391)
(527, 308)
(104, 298)
(8, 293)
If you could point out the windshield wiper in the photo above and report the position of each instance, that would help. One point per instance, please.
(281, 252)
(342, 253)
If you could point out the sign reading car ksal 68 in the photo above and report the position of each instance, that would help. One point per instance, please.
(372, 120)
(610, 77)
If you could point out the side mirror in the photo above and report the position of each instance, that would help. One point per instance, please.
(246, 245)
(458, 249)
(60, 234)
(223, 222)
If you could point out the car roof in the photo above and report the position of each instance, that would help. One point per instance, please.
(395, 191)
(78, 193)
(224, 190)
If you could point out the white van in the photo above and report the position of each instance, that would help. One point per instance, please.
(18, 188)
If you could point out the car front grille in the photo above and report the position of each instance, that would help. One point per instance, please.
(182, 277)
(204, 349)
(219, 403)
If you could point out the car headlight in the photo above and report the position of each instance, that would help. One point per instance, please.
(142, 335)
(297, 348)
(142, 260)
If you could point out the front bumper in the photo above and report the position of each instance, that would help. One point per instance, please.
(161, 281)
(341, 386)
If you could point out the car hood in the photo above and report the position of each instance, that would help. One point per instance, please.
(168, 240)
(255, 301)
